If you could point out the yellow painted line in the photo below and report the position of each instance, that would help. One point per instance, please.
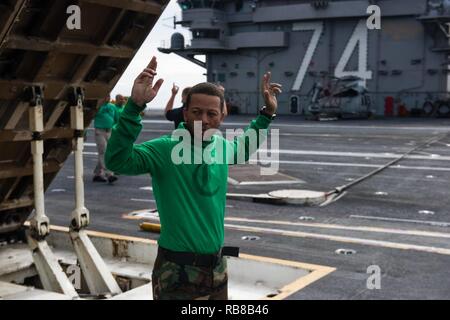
(127, 216)
(341, 227)
(301, 283)
(107, 235)
(376, 243)
(316, 271)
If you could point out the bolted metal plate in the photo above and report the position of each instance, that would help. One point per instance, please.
(306, 218)
(146, 214)
(297, 196)
(426, 212)
(250, 238)
(345, 252)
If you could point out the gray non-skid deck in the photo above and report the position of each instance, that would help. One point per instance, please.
(397, 220)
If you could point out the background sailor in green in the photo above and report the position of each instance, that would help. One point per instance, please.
(104, 118)
(103, 123)
(119, 104)
(190, 197)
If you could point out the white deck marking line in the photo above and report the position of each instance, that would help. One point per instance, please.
(342, 164)
(443, 143)
(324, 135)
(145, 130)
(232, 181)
(341, 227)
(143, 200)
(432, 155)
(433, 223)
(382, 155)
(345, 136)
(156, 121)
(255, 183)
(376, 243)
(334, 164)
(318, 125)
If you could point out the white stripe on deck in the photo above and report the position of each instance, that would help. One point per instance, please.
(318, 125)
(384, 155)
(294, 134)
(142, 200)
(332, 164)
(276, 182)
(359, 241)
(431, 223)
(342, 164)
(350, 228)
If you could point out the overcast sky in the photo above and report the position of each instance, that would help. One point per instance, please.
(171, 67)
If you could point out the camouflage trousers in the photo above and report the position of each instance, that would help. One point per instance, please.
(171, 281)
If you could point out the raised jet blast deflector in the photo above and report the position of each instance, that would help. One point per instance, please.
(51, 53)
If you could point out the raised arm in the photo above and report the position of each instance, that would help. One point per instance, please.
(122, 155)
(225, 107)
(169, 105)
(245, 145)
(144, 91)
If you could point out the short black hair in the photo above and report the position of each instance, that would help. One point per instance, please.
(185, 91)
(207, 88)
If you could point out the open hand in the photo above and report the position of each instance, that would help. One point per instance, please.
(270, 91)
(175, 89)
(144, 90)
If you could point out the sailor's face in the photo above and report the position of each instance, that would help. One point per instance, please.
(203, 108)
(120, 100)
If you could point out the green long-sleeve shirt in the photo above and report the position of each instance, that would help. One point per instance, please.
(190, 197)
(118, 111)
(105, 116)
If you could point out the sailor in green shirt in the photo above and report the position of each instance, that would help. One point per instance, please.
(190, 194)
(103, 122)
(119, 105)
